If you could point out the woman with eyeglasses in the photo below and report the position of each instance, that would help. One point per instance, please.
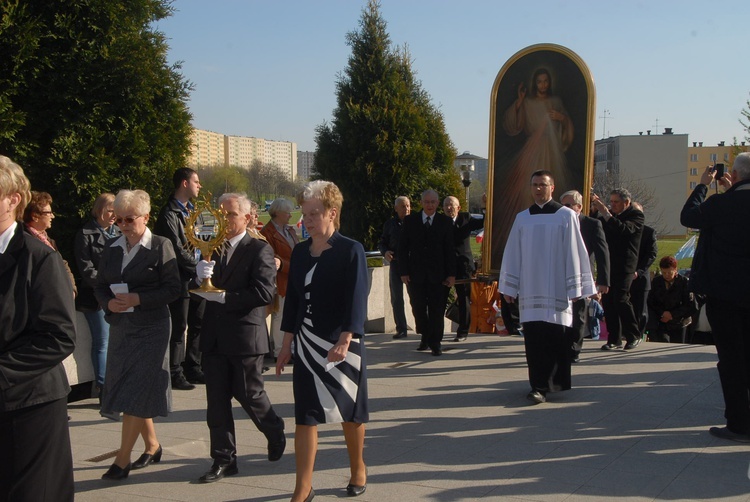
(136, 280)
(37, 219)
(89, 245)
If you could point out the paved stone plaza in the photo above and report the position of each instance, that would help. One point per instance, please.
(459, 428)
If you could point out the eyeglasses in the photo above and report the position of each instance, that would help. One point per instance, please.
(45, 213)
(128, 219)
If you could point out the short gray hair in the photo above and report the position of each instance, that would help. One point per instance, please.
(742, 166)
(242, 201)
(401, 198)
(280, 204)
(622, 193)
(137, 200)
(575, 194)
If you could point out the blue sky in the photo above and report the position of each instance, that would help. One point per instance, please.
(268, 68)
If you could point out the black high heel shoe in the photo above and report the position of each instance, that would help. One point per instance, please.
(146, 459)
(116, 473)
(354, 490)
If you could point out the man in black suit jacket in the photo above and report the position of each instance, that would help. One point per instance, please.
(596, 246)
(641, 285)
(463, 225)
(234, 339)
(428, 268)
(623, 225)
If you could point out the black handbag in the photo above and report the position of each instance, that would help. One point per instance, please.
(452, 311)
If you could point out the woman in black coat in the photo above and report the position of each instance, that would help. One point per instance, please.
(36, 315)
(670, 304)
(88, 247)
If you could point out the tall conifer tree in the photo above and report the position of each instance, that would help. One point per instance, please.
(385, 139)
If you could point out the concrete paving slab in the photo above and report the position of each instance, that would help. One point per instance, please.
(458, 428)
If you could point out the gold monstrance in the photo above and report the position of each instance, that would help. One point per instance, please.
(206, 230)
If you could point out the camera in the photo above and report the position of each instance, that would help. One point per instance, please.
(718, 171)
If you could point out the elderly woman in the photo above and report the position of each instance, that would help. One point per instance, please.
(670, 304)
(324, 314)
(282, 238)
(36, 315)
(37, 219)
(137, 278)
(89, 245)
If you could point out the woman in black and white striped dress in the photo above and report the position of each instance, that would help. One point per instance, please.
(324, 314)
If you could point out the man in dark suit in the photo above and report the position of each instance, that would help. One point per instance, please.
(463, 225)
(641, 285)
(598, 251)
(171, 224)
(234, 339)
(388, 247)
(428, 268)
(623, 225)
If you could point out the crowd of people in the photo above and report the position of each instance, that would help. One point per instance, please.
(151, 336)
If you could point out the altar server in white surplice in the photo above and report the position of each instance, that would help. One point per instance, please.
(545, 267)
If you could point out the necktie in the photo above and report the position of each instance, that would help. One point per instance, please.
(427, 222)
(225, 256)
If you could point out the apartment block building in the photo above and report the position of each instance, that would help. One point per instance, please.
(305, 165)
(211, 149)
(700, 156)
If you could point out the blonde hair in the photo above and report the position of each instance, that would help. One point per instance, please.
(325, 191)
(101, 203)
(13, 180)
(137, 200)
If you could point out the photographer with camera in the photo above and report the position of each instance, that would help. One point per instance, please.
(723, 245)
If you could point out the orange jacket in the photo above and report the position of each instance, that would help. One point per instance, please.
(282, 250)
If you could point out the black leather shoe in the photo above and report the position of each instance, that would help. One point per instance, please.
(632, 345)
(354, 490)
(115, 472)
(147, 458)
(399, 336)
(536, 397)
(218, 472)
(437, 352)
(276, 448)
(725, 433)
(423, 346)
(611, 346)
(460, 338)
(196, 378)
(180, 383)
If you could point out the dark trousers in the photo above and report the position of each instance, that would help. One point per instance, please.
(577, 332)
(730, 325)
(192, 362)
(463, 299)
(547, 355)
(638, 298)
(241, 378)
(511, 316)
(428, 302)
(178, 311)
(618, 312)
(397, 298)
(36, 463)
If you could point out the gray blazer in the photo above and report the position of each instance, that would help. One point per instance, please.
(152, 273)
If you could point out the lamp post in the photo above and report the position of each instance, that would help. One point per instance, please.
(466, 168)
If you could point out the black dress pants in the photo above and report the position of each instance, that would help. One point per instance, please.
(730, 325)
(618, 312)
(428, 302)
(547, 355)
(178, 311)
(36, 464)
(241, 378)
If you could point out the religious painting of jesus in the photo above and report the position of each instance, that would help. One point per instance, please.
(541, 117)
